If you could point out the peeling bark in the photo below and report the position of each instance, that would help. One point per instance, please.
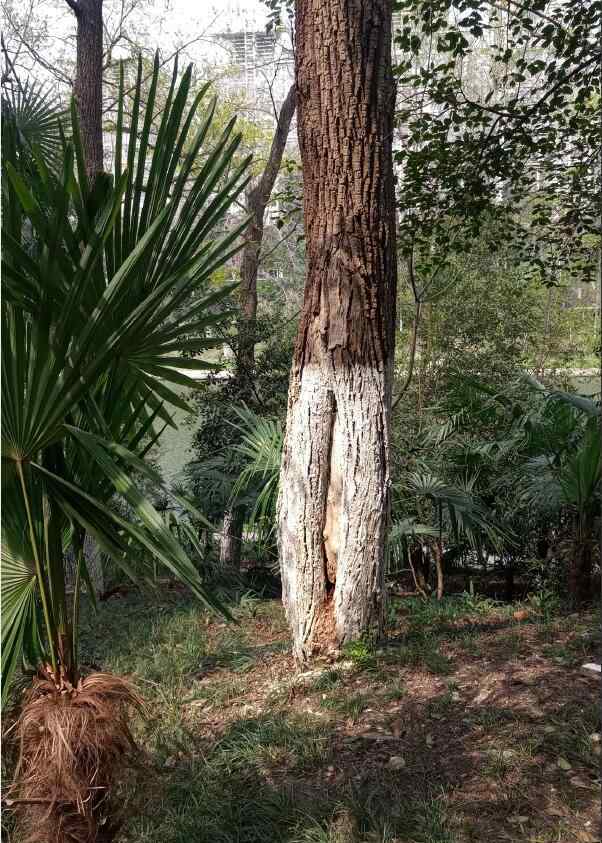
(334, 499)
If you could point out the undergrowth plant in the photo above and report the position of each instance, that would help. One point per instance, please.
(107, 299)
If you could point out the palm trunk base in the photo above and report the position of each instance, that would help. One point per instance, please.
(72, 745)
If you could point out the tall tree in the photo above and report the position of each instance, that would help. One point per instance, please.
(258, 197)
(87, 88)
(334, 499)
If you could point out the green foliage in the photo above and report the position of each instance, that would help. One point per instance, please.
(457, 513)
(534, 454)
(239, 440)
(261, 450)
(349, 706)
(423, 614)
(94, 330)
(501, 114)
(31, 125)
(361, 654)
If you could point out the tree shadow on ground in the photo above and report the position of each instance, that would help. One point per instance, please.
(284, 777)
(478, 751)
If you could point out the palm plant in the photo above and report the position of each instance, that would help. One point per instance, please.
(446, 513)
(30, 115)
(245, 476)
(539, 468)
(260, 448)
(104, 291)
(568, 483)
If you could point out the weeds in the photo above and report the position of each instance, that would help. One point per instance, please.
(326, 681)
(420, 650)
(345, 705)
(361, 654)
(426, 613)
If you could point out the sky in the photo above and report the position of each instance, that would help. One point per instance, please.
(167, 24)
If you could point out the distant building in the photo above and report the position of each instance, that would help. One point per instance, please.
(261, 64)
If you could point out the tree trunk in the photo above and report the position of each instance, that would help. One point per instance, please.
(87, 88)
(258, 199)
(509, 576)
(230, 544)
(438, 553)
(580, 572)
(334, 499)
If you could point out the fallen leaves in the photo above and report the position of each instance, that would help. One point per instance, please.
(577, 782)
(521, 615)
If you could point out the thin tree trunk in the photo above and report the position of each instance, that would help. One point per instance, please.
(580, 568)
(334, 500)
(416, 561)
(439, 567)
(87, 88)
(258, 199)
(509, 582)
(230, 545)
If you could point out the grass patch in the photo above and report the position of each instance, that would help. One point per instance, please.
(218, 771)
(361, 654)
(420, 650)
(572, 736)
(440, 706)
(431, 613)
(349, 706)
(272, 740)
(395, 691)
(489, 717)
(326, 681)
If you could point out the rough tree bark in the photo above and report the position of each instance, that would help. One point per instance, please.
(334, 498)
(258, 198)
(230, 545)
(87, 88)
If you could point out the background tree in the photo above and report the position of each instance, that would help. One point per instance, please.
(87, 87)
(499, 111)
(258, 198)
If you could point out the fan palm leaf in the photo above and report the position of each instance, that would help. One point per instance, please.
(261, 448)
(99, 290)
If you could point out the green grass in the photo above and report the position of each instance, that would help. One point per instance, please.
(423, 613)
(362, 654)
(572, 736)
(237, 749)
(420, 649)
(347, 705)
(269, 741)
(441, 706)
(326, 681)
(394, 691)
(489, 717)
